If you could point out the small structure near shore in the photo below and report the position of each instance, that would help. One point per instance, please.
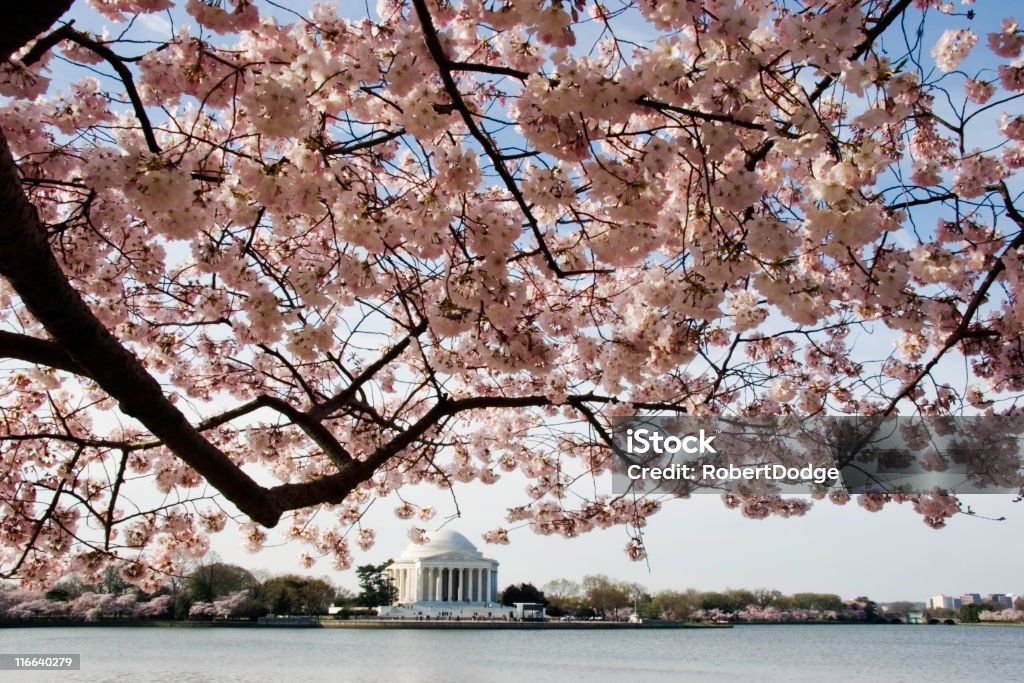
(528, 611)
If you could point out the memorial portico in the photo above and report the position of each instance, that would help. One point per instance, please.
(446, 571)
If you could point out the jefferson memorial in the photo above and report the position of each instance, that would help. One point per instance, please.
(447, 573)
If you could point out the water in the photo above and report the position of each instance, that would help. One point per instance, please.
(757, 653)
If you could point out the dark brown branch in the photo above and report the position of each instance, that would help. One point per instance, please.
(26, 20)
(50, 509)
(28, 264)
(334, 488)
(701, 115)
(38, 351)
(313, 428)
(45, 44)
(963, 330)
(108, 520)
(343, 397)
(910, 203)
(489, 69)
(66, 32)
(341, 150)
(884, 22)
(444, 67)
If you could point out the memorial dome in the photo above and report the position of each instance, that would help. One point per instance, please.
(440, 543)
(446, 573)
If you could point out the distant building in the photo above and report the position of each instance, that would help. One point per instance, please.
(943, 602)
(444, 578)
(998, 600)
(528, 611)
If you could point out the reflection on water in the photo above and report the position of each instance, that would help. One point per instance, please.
(756, 653)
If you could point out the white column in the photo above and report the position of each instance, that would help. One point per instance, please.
(451, 583)
(476, 585)
(439, 572)
(460, 588)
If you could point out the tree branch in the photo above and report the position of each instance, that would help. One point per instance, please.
(28, 264)
(444, 67)
(963, 330)
(38, 351)
(27, 20)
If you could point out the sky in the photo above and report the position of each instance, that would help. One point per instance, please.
(698, 543)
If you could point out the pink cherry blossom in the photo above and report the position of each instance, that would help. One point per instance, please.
(952, 47)
(264, 270)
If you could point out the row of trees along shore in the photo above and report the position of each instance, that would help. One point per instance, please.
(215, 590)
(598, 596)
(211, 590)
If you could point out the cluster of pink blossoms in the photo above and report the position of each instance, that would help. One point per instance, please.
(451, 241)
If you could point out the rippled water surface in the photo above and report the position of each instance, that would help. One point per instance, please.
(755, 653)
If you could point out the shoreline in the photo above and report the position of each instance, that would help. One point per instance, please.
(370, 624)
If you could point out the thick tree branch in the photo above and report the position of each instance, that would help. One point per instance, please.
(28, 264)
(38, 351)
(127, 79)
(27, 20)
(66, 32)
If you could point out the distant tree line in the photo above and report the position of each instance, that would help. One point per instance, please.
(214, 590)
(600, 597)
(210, 590)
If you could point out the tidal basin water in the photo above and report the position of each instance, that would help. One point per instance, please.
(744, 653)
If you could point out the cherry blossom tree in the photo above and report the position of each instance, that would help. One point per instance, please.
(266, 268)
